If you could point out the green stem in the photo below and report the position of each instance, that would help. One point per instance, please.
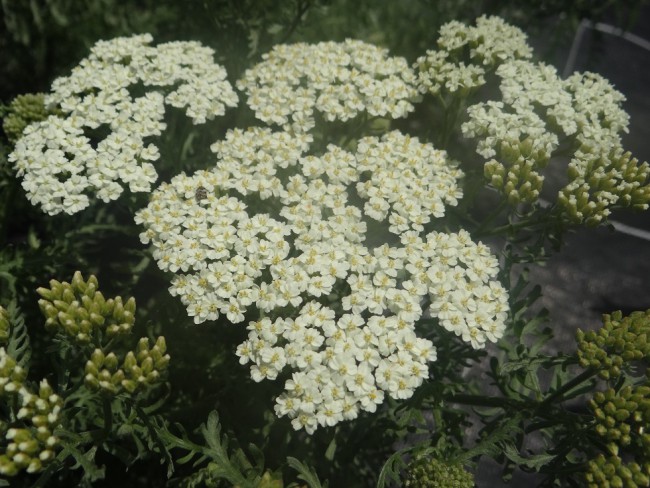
(451, 116)
(509, 228)
(482, 401)
(301, 10)
(491, 217)
(108, 417)
(558, 395)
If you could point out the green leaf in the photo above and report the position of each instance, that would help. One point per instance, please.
(490, 444)
(85, 460)
(531, 364)
(211, 431)
(18, 346)
(391, 468)
(331, 449)
(257, 454)
(533, 462)
(237, 469)
(306, 473)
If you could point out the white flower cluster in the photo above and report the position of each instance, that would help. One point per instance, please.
(466, 53)
(120, 88)
(338, 313)
(585, 104)
(538, 112)
(495, 124)
(408, 181)
(339, 80)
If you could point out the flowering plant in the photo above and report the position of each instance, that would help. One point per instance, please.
(334, 246)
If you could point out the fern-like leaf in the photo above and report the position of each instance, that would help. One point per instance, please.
(306, 473)
(18, 346)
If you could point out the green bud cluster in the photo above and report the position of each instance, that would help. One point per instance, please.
(517, 177)
(139, 369)
(434, 473)
(612, 472)
(5, 326)
(81, 312)
(622, 417)
(29, 442)
(618, 342)
(23, 110)
(12, 375)
(600, 180)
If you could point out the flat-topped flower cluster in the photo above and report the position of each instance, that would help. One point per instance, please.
(338, 80)
(333, 305)
(466, 54)
(121, 87)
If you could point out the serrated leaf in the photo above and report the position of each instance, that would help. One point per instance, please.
(257, 454)
(490, 445)
(237, 470)
(530, 364)
(85, 460)
(533, 462)
(18, 346)
(305, 473)
(391, 468)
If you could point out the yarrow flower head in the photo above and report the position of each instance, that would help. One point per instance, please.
(338, 80)
(322, 300)
(466, 53)
(122, 88)
(538, 113)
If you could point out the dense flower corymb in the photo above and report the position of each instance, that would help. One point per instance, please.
(337, 310)
(338, 80)
(59, 159)
(466, 53)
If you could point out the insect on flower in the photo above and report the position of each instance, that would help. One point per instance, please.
(201, 193)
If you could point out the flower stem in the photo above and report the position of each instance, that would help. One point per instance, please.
(558, 395)
(108, 416)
